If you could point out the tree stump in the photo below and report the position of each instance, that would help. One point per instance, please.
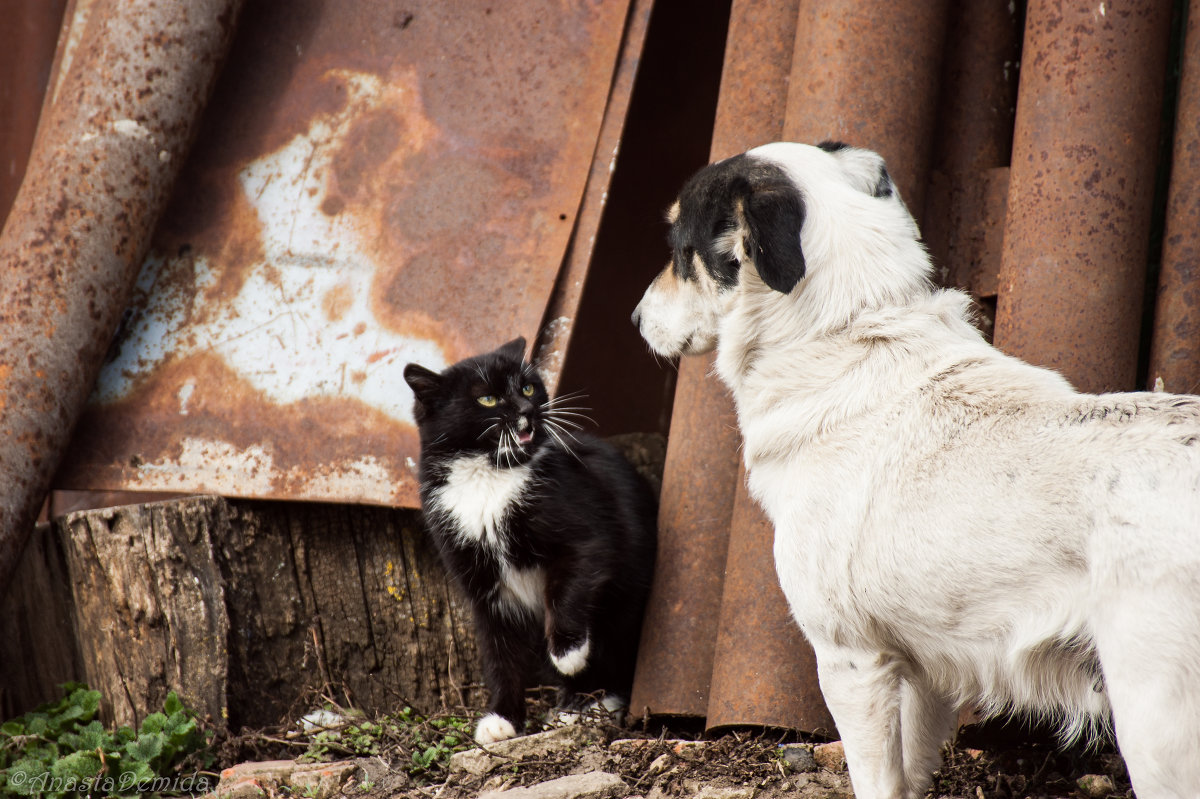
(253, 611)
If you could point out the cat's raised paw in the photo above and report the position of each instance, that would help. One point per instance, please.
(573, 660)
(494, 727)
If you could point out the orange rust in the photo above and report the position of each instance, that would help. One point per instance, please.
(336, 302)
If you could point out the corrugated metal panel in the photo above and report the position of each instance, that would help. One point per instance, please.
(379, 185)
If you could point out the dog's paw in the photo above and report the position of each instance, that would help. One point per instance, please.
(494, 727)
(573, 660)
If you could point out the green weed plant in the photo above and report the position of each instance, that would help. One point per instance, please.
(61, 751)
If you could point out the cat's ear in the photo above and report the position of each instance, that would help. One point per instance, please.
(424, 382)
(514, 349)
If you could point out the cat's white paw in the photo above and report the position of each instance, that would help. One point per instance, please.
(574, 660)
(494, 727)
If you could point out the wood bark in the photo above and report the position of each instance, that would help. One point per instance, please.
(255, 612)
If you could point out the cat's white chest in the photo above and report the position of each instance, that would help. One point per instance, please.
(478, 497)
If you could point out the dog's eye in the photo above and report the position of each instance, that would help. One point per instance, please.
(487, 401)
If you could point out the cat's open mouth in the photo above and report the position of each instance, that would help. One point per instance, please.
(524, 437)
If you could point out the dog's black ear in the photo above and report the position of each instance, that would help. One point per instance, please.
(774, 217)
(514, 349)
(424, 382)
(883, 186)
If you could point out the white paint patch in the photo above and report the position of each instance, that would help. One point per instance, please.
(185, 394)
(242, 470)
(345, 479)
(524, 589)
(132, 129)
(575, 660)
(478, 496)
(278, 333)
(492, 728)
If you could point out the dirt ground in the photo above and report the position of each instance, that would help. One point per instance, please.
(996, 762)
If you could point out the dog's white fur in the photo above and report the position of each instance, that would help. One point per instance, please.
(953, 526)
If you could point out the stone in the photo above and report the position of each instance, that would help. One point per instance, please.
(267, 770)
(659, 765)
(831, 756)
(314, 780)
(248, 788)
(323, 781)
(480, 761)
(798, 757)
(1096, 786)
(713, 792)
(592, 785)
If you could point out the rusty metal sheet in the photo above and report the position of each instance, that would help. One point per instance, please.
(867, 72)
(132, 77)
(1081, 188)
(381, 184)
(1175, 348)
(700, 478)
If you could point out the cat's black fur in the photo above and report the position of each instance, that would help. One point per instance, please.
(564, 505)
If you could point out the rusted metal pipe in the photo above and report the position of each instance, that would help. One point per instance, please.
(132, 78)
(1081, 188)
(765, 673)
(867, 72)
(27, 41)
(968, 187)
(700, 479)
(1175, 347)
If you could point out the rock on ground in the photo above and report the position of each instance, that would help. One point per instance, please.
(592, 785)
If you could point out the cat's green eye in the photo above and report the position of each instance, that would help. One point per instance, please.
(527, 389)
(487, 401)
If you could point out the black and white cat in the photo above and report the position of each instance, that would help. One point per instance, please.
(549, 532)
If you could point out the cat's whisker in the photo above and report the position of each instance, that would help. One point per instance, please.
(570, 418)
(562, 436)
(565, 422)
(561, 398)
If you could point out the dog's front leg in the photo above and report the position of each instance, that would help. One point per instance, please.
(863, 692)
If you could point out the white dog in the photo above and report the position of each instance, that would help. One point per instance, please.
(953, 525)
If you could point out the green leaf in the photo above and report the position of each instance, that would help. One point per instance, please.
(86, 700)
(37, 723)
(155, 722)
(77, 767)
(172, 705)
(14, 727)
(147, 746)
(28, 777)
